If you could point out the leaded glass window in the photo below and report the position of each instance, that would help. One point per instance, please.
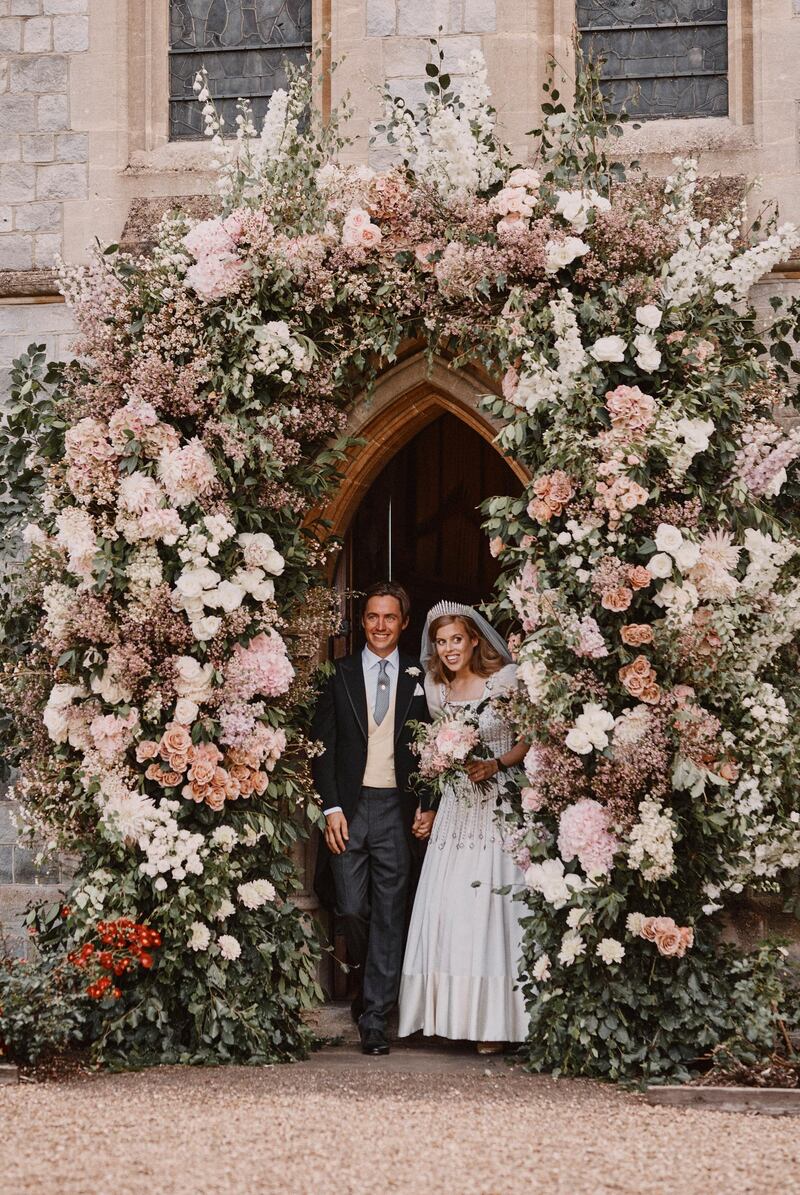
(243, 45)
(660, 57)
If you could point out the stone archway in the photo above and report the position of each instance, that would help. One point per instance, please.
(404, 400)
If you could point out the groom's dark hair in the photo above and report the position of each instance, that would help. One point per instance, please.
(388, 589)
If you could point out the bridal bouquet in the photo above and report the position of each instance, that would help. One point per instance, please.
(445, 746)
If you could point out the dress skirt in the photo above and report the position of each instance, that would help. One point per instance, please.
(462, 959)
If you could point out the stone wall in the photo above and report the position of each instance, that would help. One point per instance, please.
(44, 162)
(23, 882)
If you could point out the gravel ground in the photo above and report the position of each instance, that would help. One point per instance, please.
(420, 1121)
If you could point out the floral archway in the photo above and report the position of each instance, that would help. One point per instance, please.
(167, 620)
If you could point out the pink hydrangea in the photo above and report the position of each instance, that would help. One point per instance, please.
(216, 276)
(263, 667)
(583, 833)
(631, 410)
(591, 644)
(211, 237)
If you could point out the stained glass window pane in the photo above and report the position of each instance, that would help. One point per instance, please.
(659, 57)
(243, 45)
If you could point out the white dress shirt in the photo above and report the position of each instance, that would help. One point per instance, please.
(371, 665)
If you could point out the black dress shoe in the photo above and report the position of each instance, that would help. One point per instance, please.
(373, 1041)
(357, 1007)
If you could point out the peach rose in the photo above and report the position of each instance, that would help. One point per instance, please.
(729, 770)
(636, 634)
(616, 600)
(422, 253)
(175, 745)
(146, 749)
(201, 772)
(638, 576)
(638, 678)
(651, 694)
(653, 926)
(669, 942)
(260, 782)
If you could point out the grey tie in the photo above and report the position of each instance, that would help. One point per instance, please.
(381, 694)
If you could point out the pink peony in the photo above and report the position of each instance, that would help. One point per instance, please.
(187, 473)
(583, 833)
(112, 734)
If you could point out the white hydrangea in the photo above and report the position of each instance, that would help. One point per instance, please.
(168, 849)
(651, 842)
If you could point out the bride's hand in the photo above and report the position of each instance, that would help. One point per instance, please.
(479, 770)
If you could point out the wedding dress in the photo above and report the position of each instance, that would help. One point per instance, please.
(460, 972)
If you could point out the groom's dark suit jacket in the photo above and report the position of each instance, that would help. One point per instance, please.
(340, 723)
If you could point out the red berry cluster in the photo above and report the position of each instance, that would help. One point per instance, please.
(122, 945)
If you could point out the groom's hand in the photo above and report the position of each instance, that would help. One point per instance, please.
(337, 835)
(423, 824)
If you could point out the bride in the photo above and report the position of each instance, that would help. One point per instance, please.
(461, 964)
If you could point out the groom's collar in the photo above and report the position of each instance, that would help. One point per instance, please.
(370, 659)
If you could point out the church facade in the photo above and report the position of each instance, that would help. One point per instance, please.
(100, 134)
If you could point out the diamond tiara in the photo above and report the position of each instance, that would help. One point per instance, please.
(449, 608)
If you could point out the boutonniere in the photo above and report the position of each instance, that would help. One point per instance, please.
(413, 671)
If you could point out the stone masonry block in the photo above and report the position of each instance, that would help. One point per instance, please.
(26, 8)
(37, 147)
(6, 874)
(10, 34)
(38, 74)
(3, 75)
(17, 114)
(19, 318)
(8, 831)
(72, 147)
(456, 19)
(38, 217)
(480, 16)
(10, 148)
(381, 18)
(57, 7)
(408, 56)
(5, 226)
(52, 113)
(46, 250)
(28, 871)
(410, 90)
(418, 17)
(16, 251)
(67, 181)
(17, 183)
(70, 34)
(37, 36)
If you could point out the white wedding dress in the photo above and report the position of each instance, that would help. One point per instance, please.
(460, 972)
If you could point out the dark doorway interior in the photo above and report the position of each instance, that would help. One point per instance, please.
(420, 524)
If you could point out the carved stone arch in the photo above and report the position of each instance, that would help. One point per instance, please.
(406, 398)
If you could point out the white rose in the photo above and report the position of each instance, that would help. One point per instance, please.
(558, 254)
(668, 538)
(660, 566)
(649, 316)
(687, 556)
(274, 563)
(109, 687)
(249, 579)
(578, 741)
(206, 628)
(264, 592)
(186, 710)
(193, 679)
(608, 348)
(227, 596)
(648, 357)
(574, 207)
(160, 884)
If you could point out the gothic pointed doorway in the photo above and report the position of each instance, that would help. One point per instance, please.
(419, 523)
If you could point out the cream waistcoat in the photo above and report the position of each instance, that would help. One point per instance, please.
(379, 772)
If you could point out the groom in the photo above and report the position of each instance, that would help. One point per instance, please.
(363, 778)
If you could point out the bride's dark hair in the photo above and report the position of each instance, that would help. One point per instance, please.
(486, 660)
